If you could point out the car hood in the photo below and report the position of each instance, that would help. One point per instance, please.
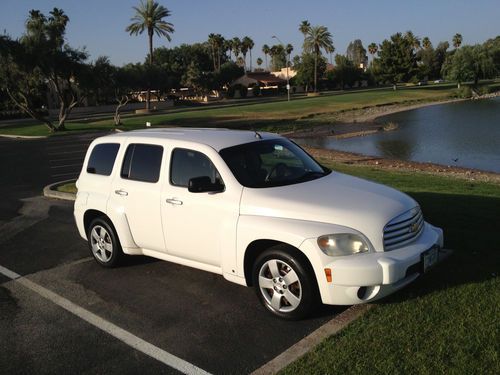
(334, 199)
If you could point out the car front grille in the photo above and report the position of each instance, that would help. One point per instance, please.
(403, 229)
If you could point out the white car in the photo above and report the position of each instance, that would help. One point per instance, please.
(255, 208)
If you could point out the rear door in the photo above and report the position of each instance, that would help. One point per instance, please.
(136, 191)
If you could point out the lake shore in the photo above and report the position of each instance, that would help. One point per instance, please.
(469, 174)
(361, 122)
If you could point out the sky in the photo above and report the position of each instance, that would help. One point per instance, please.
(99, 25)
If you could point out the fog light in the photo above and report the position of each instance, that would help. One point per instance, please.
(362, 292)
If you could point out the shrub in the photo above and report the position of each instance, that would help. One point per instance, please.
(463, 92)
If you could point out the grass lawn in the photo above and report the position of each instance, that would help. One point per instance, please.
(448, 321)
(67, 188)
(270, 116)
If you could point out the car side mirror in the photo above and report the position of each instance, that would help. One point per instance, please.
(203, 184)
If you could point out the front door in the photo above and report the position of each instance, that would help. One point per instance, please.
(197, 226)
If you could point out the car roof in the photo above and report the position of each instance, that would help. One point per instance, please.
(215, 138)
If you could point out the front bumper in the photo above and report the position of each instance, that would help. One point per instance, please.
(367, 277)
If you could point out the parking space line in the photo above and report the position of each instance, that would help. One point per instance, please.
(66, 166)
(126, 337)
(66, 174)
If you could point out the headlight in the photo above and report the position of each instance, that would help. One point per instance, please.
(342, 244)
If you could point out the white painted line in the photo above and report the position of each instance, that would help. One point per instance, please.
(65, 174)
(68, 152)
(68, 159)
(309, 342)
(66, 166)
(128, 338)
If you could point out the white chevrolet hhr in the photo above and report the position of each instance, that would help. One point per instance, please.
(255, 208)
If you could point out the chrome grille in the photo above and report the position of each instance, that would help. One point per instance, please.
(403, 229)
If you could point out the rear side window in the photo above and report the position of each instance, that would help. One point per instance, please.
(142, 162)
(102, 158)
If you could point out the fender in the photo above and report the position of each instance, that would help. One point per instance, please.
(290, 231)
(119, 219)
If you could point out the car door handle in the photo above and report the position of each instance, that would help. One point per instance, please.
(173, 201)
(121, 192)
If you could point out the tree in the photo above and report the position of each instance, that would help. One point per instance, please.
(413, 40)
(266, 50)
(259, 62)
(457, 40)
(236, 44)
(426, 43)
(278, 57)
(316, 39)
(357, 53)
(288, 50)
(229, 71)
(372, 48)
(149, 17)
(304, 27)
(397, 61)
(247, 44)
(330, 50)
(305, 65)
(346, 72)
(41, 61)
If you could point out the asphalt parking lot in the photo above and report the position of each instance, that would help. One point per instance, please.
(194, 316)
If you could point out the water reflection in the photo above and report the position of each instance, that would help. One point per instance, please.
(395, 149)
(464, 134)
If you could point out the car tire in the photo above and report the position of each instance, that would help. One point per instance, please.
(103, 243)
(285, 283)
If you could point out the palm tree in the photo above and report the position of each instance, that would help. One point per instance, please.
(288, 50)
(149, 16)
(259, 62)
(317, 38)
(304, 27)
(457, 40)
(412, 39)
(372, 48)
(213, 46)
(228, 46)
(236, 44)
(246, 45)
(426, 43)
(266, 50)
(250, 44)
(330, 51)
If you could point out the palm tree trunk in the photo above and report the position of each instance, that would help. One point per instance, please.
(250, 59)
(148, 93)
(267, 66)
(316, 72)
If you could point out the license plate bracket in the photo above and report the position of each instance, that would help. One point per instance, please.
(429, 258)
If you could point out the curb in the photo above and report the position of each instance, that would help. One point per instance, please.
(302, 347)
(13, 136)
(51, 192)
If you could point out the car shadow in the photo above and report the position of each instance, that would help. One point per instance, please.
(471, 225)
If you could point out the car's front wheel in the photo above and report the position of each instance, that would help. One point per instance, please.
(285, 284)
(104, 243)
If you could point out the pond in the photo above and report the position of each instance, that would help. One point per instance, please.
(465, 134)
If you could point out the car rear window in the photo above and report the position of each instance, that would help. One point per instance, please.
(102, 158)
(142, 162)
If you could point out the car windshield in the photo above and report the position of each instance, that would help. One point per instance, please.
(269, 163)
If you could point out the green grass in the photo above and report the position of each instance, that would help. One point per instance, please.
(448, 321)
(270, 116)
(70, 187)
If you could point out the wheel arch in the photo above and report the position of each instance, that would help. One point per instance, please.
(257, 247)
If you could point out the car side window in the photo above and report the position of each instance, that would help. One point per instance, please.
(102, 159)
(187, 164)
(142, 162)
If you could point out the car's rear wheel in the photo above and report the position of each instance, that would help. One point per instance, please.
(285, 284)
(103, 243)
